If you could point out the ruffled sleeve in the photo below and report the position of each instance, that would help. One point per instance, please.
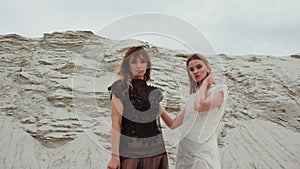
(155, 95)
(119, 89)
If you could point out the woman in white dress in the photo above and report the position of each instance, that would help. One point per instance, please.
(199, 119)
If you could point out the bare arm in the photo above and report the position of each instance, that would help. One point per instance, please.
(172, 123)
(116, 118)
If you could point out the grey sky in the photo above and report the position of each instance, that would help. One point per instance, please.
(269, 27)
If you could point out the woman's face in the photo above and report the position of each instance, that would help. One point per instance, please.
(198, 70)
(138, 66)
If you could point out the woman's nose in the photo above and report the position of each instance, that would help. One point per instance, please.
(139, 64)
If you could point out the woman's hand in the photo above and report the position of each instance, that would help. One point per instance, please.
(114, 162)
(208, 80)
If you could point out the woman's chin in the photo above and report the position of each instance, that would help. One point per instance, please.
(139, 77)
(198, 80)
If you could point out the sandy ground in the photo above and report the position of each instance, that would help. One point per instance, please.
(55, 110)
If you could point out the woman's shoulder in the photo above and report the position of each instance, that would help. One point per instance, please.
(219, 87)
(118, 88)
(117, 83)
(155, 88)
(156, 92)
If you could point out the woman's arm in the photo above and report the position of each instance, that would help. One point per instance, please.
(204, 103)
(172, 123)
(116, 118)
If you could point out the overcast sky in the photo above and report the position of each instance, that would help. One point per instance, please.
(237, 27)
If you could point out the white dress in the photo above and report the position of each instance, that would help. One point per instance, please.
(198, 148)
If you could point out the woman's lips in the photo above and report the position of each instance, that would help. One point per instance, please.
(139, 72)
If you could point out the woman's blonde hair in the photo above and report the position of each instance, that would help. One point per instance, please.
(193, 84)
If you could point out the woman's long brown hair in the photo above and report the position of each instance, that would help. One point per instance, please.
(124, 70)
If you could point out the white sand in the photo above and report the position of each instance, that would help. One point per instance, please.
(55, 110)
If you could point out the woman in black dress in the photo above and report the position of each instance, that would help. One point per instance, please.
(136, 137)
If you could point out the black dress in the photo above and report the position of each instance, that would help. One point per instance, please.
(141, 141)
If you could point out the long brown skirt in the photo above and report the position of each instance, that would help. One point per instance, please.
(156, 162)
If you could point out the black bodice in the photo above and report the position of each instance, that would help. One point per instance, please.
(141, 134)
(140, 108)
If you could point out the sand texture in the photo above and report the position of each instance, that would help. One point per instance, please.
(55, 109)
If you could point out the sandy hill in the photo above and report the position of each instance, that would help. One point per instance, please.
(55, 110)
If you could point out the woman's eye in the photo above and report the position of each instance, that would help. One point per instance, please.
(191, 70)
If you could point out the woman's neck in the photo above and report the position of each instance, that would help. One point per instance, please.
(139, 77)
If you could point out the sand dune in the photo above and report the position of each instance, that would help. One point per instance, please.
(55, 110)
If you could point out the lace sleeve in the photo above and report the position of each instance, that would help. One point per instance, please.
(118, 88)
(155, 95)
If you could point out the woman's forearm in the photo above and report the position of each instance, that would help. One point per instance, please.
(172, 123)
(115, 139)
(201, 102)
(116, 118)
(168, 119)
